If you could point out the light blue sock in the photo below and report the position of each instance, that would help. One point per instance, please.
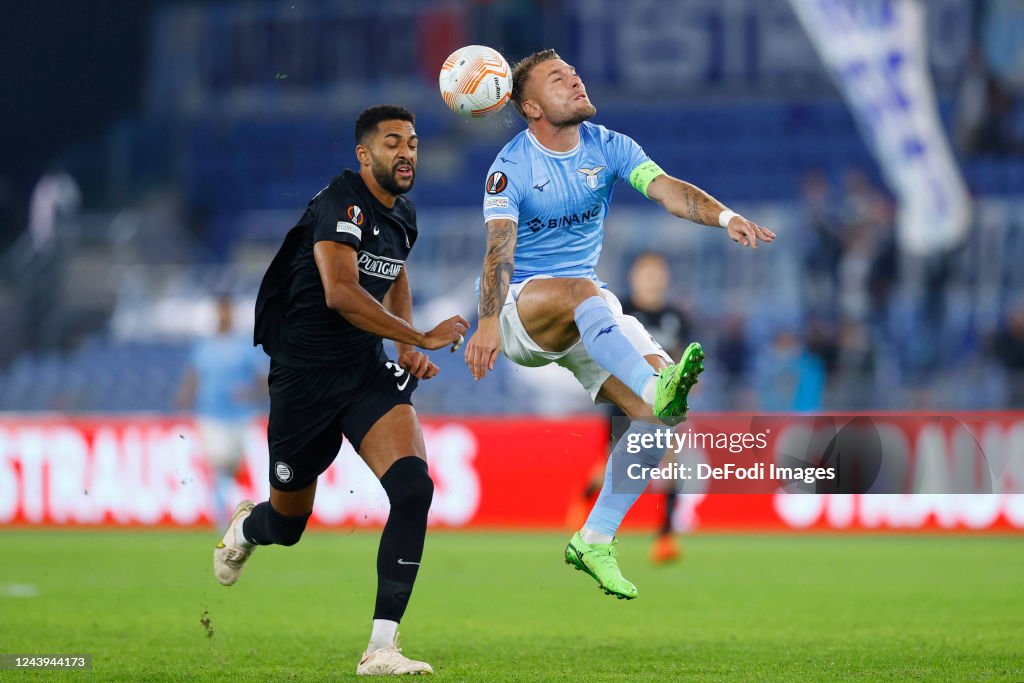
(619, 491)
(222, 486)
(607, 345)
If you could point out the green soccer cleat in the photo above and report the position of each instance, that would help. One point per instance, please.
(600, 560)
(674, 384)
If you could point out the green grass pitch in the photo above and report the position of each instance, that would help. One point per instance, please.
(504, 607)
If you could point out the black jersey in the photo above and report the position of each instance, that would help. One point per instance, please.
(293, 322)
(668, 325)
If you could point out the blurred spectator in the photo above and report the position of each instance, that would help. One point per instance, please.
(53, 206)
(56, 196)
(822, 248)
(788, 377)
(884, 271)
(224, 383)
(971, 101)
(938, 270)
(1000, 131)
(1007, 346)
(989, 115)
(855, 367)
(732, 355)
(822, 342)
(854, 270)
(1002, 36)
(859, 204)
(864, 213)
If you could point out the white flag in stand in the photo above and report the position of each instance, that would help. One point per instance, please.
(875, 51)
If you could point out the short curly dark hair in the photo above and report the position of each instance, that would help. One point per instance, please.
(367, 122)
(521, 73)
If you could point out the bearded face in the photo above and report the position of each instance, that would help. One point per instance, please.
(393, 152)
(397, 177)
(559, 92)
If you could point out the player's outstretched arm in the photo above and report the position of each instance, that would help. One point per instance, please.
(398, 300)
(684, 200)
(499, 263)
(340, 277)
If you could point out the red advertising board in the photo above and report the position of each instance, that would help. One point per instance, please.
(507, 473)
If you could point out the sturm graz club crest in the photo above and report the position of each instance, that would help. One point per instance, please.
(282, 472)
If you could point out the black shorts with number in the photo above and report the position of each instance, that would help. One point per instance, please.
(310, 411)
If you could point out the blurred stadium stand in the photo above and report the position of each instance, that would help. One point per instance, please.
(248, 113)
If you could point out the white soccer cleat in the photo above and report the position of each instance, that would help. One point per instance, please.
(389, 661)
(230, 556)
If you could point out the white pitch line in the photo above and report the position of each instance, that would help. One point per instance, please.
(18, 590)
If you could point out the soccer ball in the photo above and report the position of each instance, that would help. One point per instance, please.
(475, 81)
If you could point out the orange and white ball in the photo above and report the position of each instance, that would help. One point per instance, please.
(475, 81)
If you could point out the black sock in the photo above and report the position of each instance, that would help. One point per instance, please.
(410, 491)
(670, 506)
(267, 526)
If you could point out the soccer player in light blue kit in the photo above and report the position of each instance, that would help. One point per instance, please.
(224, 379)
(547, 194)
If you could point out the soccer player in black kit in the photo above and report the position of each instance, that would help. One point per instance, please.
(335, 289)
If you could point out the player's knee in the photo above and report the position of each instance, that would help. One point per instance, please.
(409, 486)
(580, 290)
(417, 498)
(286, 529)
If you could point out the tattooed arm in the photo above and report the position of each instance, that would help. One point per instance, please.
(498, 266)
(483, 347)
(684, 200)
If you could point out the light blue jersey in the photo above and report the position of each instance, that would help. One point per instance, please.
(227, 367)
(559, 199)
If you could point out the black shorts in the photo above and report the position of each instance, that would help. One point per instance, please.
(310, 411)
